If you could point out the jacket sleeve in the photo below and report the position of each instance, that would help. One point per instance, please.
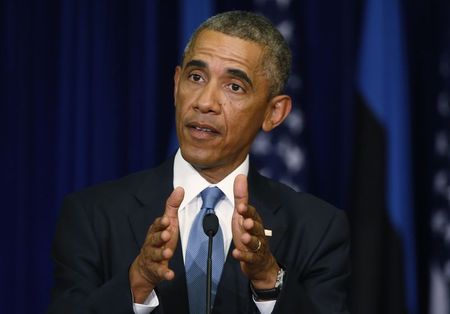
(81, 282)
(322, 284)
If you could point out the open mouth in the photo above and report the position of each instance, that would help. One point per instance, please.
(203, 128)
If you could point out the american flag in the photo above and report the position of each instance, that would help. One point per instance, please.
(440, 205)
(281, 153)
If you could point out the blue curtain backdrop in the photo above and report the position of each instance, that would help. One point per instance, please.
(430, 55)
(86, 96)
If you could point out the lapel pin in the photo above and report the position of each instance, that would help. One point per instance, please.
(267, 232)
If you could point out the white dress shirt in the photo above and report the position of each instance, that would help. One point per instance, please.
(193, 183)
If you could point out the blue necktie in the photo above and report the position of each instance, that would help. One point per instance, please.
(196, 255)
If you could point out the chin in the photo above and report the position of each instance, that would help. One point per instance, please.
(197, 157)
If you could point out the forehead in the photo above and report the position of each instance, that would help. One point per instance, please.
(216, 48)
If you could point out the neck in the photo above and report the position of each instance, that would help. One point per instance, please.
(212, 175)
(216, 174)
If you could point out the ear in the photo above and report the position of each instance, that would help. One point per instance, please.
(176, 80)
(279, 108)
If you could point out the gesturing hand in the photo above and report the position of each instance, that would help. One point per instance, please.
(152, 264)
(252, 249)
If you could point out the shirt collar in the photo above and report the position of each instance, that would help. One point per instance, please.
(185, 175)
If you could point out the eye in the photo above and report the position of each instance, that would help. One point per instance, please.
(195, 77)
(236, 88)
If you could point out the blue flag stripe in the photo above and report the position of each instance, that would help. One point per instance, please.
(384, 85)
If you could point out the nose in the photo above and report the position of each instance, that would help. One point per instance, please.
(208, 98)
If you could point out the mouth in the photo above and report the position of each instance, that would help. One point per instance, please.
(202, 131)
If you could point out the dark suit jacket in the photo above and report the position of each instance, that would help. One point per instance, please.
(102, 229)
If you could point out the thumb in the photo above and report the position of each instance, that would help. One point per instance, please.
(173, 202)
(240, 190)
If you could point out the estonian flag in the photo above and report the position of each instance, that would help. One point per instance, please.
(384, 265)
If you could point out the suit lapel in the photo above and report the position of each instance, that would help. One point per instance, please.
(267, 203)
(152, 195)
(233, 290)
(234, 294)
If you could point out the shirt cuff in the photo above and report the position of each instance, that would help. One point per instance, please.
(265, 307)
(148, 306)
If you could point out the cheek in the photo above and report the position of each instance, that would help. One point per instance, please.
(242, 124)
(236, 100)
(181, 104)
(179, 114)
(244, 114)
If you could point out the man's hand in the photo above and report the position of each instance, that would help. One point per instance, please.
(252, 249)
(152, 264)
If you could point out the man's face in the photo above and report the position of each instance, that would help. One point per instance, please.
(221, 99)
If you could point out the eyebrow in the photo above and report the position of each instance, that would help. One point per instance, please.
(196, 63)
(240, 74)
(234, 72)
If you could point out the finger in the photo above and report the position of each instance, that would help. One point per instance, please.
(256, 232)
(252, 243)
(154, 255)
(249, 211)
(158, 239)
(158, 255)
(240, 189)
(155, 231)
(173, 202)
(169, 275)
(159, 272)
(159, 224)
(166, 273)
(253, 227)
(245, 256)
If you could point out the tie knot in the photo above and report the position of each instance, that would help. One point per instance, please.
(210, 197)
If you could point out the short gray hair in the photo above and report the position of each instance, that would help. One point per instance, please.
(256, 28)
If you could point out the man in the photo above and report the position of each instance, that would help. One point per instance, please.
(126, 246)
